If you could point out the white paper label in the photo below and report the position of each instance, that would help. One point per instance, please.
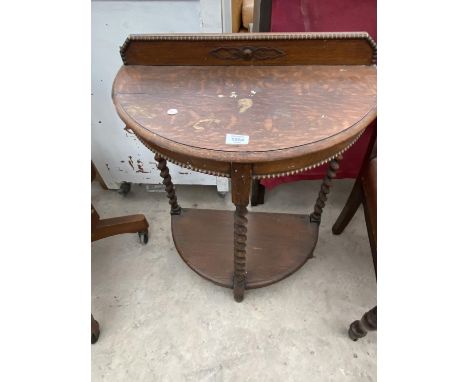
(234, 139)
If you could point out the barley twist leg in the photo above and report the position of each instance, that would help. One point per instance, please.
(325, 189)
(167, 181)
(240, 243)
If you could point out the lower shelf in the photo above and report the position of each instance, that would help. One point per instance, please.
(277, 244)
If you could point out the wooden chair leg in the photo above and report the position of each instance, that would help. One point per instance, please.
(371, 234)
(368, 322)
(350, 208)
(258, 193)
(94, 330)
(123, 224)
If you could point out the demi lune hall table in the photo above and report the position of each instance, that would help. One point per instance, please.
(246, 106)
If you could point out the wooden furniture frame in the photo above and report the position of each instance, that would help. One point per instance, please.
(364, 193)
(301, 98)
(102, 228)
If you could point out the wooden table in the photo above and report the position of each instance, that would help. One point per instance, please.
(247, 106)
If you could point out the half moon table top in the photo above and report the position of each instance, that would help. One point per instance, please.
(289, 116)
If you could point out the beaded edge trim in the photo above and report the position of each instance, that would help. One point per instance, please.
(293, 172)
(252, 37)
(184, 165)
(259, 176)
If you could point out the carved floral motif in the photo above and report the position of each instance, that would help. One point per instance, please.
(247, 53)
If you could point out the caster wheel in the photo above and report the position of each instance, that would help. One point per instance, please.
(143, 237)
(125, 188)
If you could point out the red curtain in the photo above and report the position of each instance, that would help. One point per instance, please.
(324, 16)
(327, 16)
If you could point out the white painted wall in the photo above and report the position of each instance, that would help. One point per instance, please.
(113, 148)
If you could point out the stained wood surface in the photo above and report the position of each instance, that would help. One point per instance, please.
(277, 244)
(301, 98)
(245, 49)
(279, 108)
(101, 228)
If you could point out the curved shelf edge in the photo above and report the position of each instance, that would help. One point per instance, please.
(277, 244)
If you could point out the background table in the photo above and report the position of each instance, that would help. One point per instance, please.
(302, 99)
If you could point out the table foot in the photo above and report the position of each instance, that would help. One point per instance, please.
(167, 181)
(368, 322)
(238, 290)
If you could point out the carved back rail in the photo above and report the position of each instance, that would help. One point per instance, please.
(343, 48)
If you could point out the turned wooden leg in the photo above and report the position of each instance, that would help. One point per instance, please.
(325, 189)
(241, 178)
(167, 181)
(94, 330)
(368, 322)
(350, 208)
(240, 243)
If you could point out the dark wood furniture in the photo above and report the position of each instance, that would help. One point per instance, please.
(292, 102)
(102, 228)
(364, 192)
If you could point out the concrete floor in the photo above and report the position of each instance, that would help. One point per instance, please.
(162, 322)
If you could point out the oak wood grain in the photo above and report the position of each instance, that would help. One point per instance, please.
(302, 98)
(285, 111)
(277, 245)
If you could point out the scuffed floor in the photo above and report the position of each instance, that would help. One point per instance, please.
(162, 322)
